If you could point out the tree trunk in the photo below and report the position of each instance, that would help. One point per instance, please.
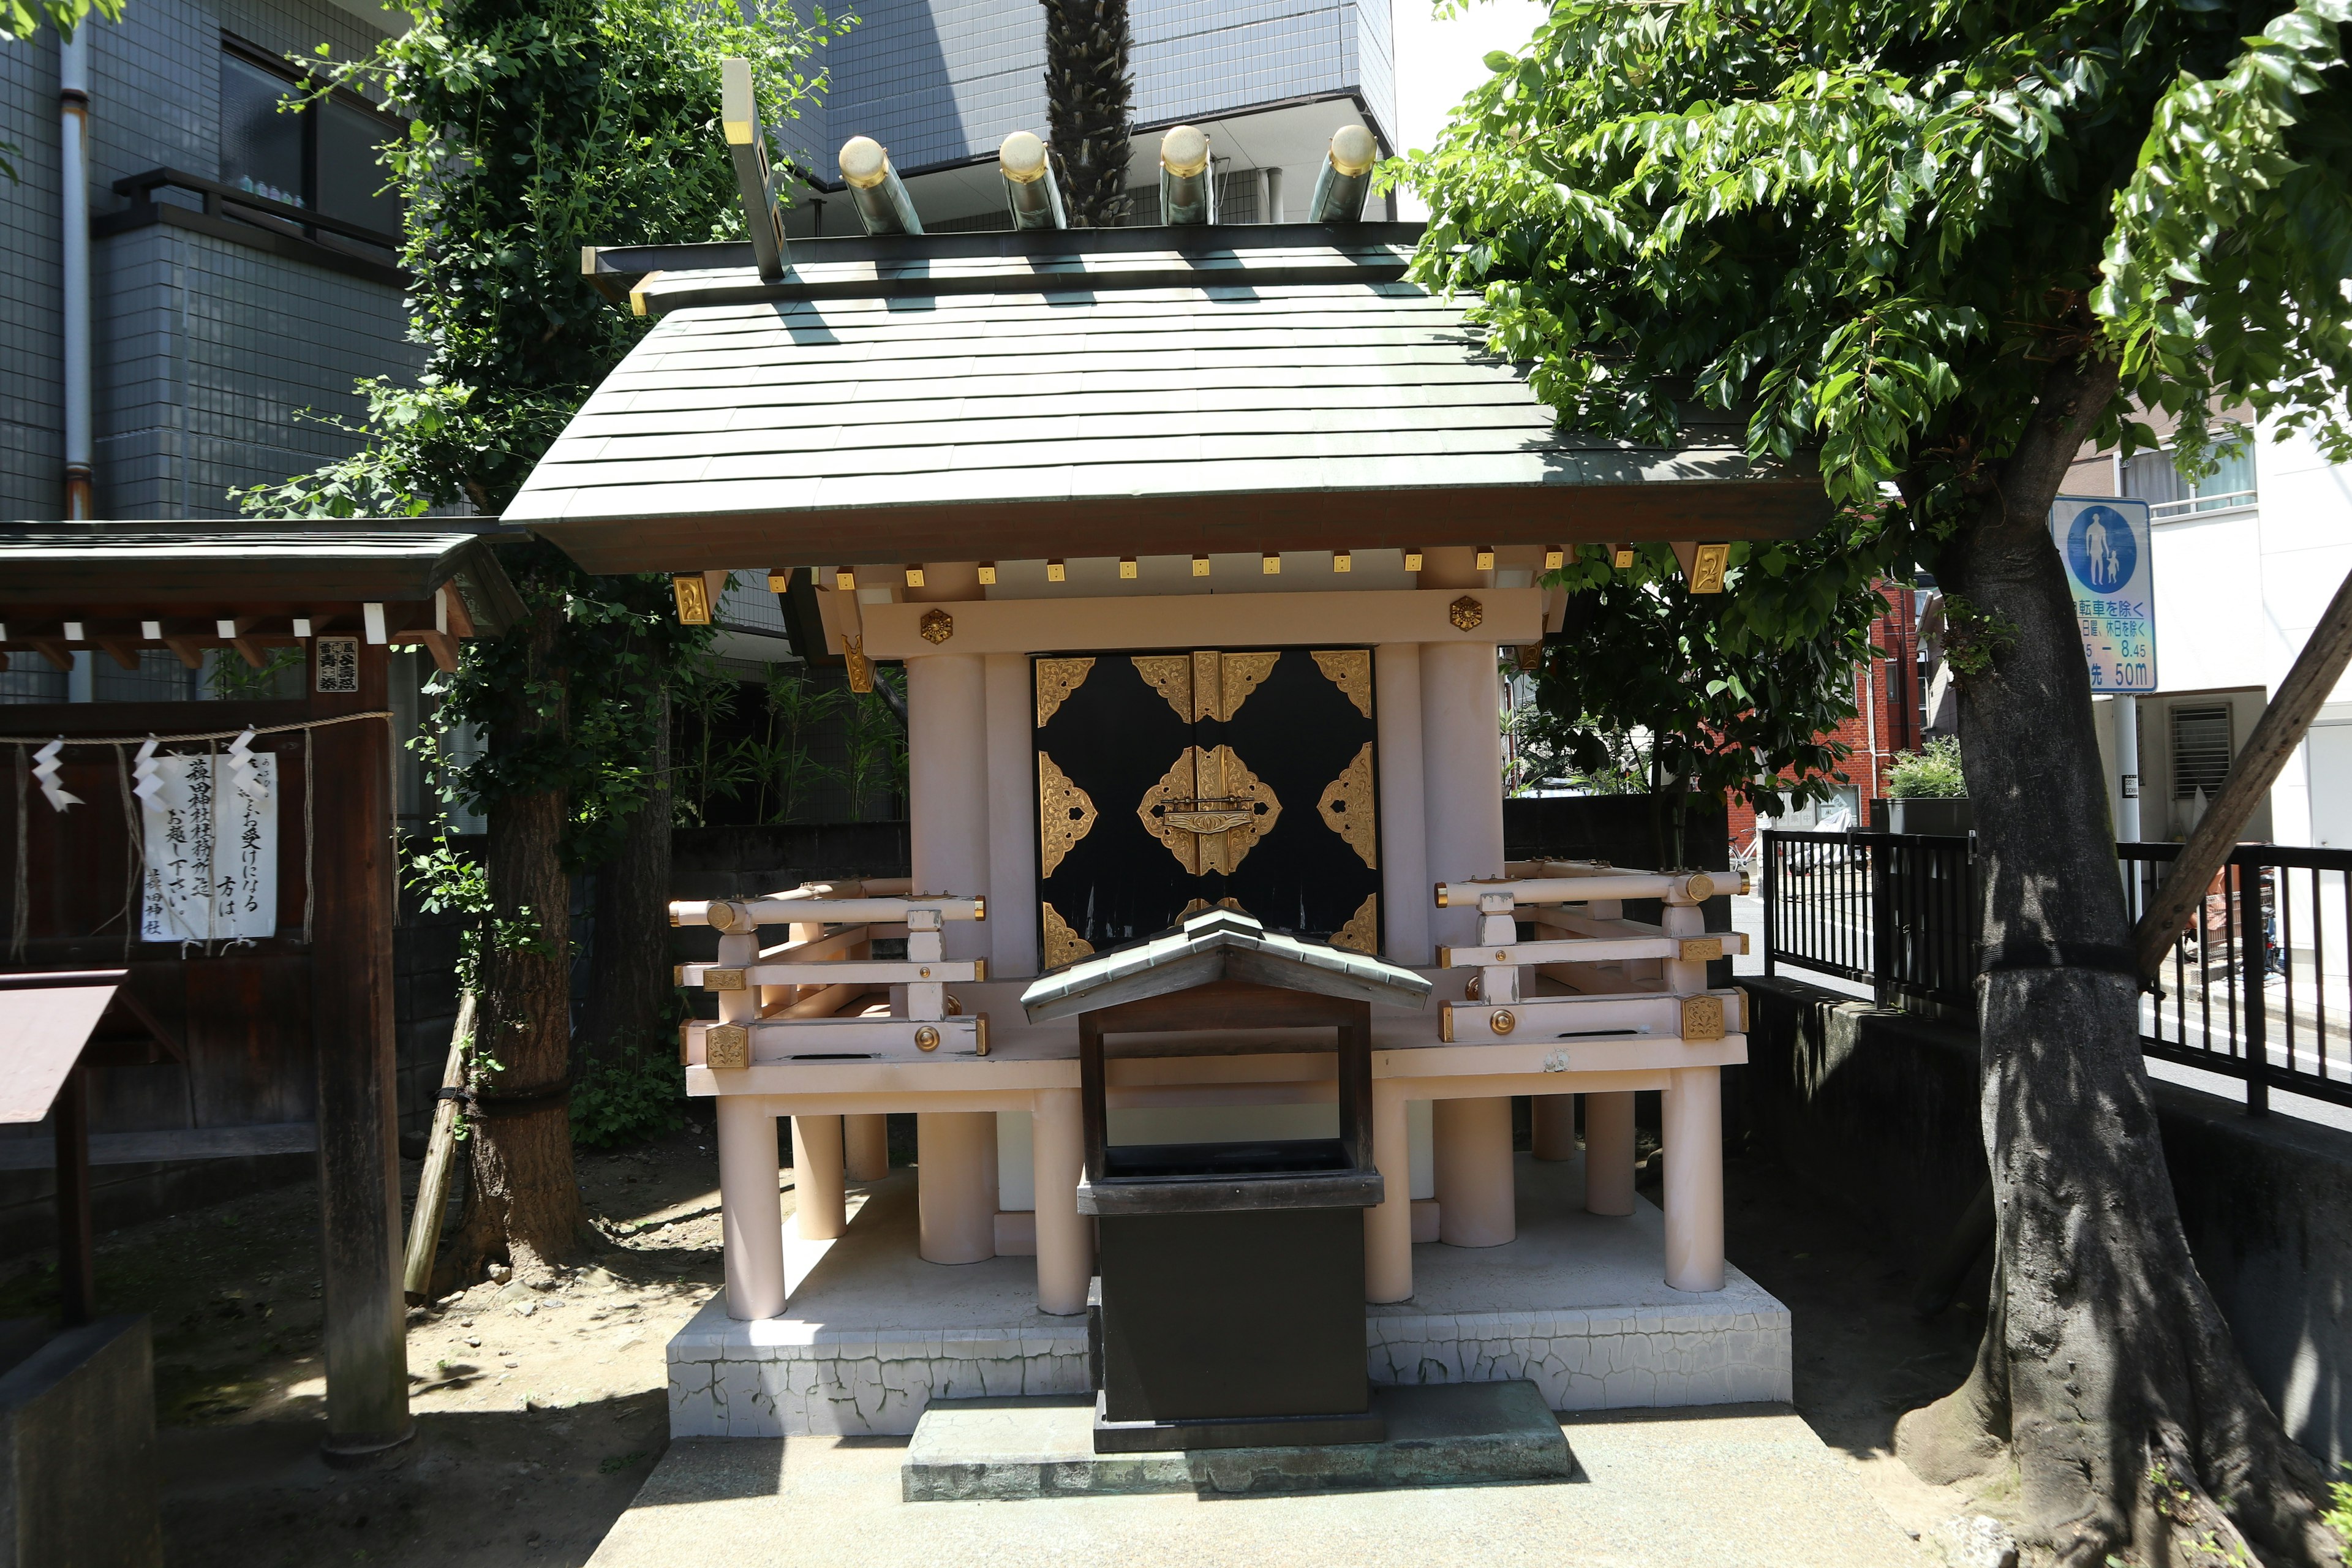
(1089, 97)
(2106, 1375)
(629, 987)
(524, 1202)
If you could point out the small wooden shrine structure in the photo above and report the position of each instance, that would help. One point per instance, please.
(1203, 548)
(283, 1007)
(1229, 1311)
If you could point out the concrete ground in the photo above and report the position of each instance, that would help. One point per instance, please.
(1729, 1487)
(874, 1277)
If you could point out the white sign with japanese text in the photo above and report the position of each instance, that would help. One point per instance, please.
(2110, 574)
(212, 853)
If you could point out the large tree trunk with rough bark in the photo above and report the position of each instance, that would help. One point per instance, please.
(630, 987)
(523, 1206)
(2107, 1377)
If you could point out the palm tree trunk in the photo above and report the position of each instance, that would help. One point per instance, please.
(1089, 98)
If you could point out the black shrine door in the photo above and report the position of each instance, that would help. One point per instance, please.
(1169, 782)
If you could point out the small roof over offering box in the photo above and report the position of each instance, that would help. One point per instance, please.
(1218, 945)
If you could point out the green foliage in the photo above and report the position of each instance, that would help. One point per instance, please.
(1725, 711)
(1974, 638)
(1931, 772)
(535, 129)
(628, 1097)
(231, 680)
(797, 706)
(20, 19)
(877, 774)
(1870, 231)
(2339, 1517)
(703, 764)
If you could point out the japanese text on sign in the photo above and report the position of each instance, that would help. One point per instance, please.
(2110, 574)
(211, 850)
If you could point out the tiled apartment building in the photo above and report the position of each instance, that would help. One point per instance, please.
(214, 333)
(225, 315)
(941, 83)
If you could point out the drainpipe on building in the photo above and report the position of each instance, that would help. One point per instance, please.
(73, 192)
(2127, 766)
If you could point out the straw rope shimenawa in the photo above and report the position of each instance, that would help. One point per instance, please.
(19, 932)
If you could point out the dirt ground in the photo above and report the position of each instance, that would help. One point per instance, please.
(539, 1414)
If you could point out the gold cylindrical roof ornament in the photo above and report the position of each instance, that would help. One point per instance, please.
(1188, 184)
(1030, 190)
(876, 190)
(1346, 178)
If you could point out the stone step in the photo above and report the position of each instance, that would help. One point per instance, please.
(1460, 1434)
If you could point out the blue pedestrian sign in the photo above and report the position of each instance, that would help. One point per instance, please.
(2110, 574)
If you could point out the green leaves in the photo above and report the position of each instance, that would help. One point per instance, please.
(19, 19)
(1869, 230)
(2232, 237)
(1727, 694)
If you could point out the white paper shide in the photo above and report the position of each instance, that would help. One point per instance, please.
(211, 832)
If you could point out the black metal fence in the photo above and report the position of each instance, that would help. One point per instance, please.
(2259, 987)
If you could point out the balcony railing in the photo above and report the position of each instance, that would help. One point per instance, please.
(2258, 988)
(226, 210)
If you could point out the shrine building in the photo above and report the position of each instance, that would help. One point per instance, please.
(1201, 546)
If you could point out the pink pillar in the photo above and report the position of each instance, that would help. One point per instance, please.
(1694, 1185)
(865, 1147)
(1065, 1240)
(1462, 776)
(1474, 1196)
(1608, 1154)
(820, 1207)
(947, 786)
(1555, 1127)
(751, 1211)
(1387, 1229)
(955, 1173)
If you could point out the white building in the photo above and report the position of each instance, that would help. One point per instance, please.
(2246, 560)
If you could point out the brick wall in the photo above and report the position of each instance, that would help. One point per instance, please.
(1885, 692)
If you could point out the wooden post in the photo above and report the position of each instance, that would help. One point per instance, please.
(365, 1330)
(2276, 735)
(433, 1182)
(77, 1250)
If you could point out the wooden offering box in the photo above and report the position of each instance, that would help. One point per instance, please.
(1231, 1309)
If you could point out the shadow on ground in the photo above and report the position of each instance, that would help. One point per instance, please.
(487, 1489)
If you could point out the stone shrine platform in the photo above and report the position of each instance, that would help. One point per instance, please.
(871, 1333)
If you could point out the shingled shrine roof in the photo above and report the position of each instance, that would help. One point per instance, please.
(1070, 393)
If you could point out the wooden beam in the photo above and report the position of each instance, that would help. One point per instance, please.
(2277, 733)
(122, 650)
(365, 1330)
(55, 652)
(168, 1145)
(443, 648)
(455, 618)
(77, 1248)
(191, 650)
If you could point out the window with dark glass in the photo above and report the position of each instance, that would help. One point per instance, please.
(280, 145)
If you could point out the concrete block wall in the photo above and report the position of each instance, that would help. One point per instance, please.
(1875, 1111)
(208, 354)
